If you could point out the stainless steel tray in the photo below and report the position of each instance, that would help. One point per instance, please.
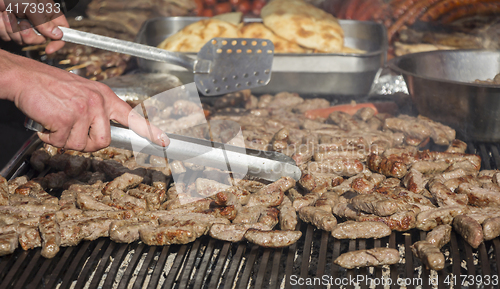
(308, 74)
(441, 86)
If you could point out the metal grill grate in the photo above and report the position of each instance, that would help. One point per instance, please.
(209, 263)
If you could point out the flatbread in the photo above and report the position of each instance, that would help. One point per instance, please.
(258, 30)
(304, 24)
(192, 37)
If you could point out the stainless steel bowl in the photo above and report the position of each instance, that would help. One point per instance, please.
(441, 86)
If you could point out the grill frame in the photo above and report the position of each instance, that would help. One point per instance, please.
(210, 263)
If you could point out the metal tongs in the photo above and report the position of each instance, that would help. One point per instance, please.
(266, 165)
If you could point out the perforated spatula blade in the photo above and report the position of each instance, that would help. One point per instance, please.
(223, 65)
(237, 63)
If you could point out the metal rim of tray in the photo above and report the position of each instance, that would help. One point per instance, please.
(393, 65)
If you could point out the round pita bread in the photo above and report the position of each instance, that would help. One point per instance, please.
(304, 24)
(192, 37)
(258, 30)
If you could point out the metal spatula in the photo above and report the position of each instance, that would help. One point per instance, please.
(223, 65)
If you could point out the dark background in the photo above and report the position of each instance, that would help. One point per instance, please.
(12, 131)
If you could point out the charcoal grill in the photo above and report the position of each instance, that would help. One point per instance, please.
(210, 263)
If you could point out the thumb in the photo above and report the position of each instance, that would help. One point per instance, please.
(48, 25)
(44, 136)
(126, 116)
(50, 30)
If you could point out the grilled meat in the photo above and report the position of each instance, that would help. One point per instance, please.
(234, 232)
(310, 198)
(400, 221)
(8, 243)
(86, 202)
(491, 228)
(76, 165)
(270, 199)
(55, 180)
(69, 214)
(368, 258)
(14, 183)
(50, 234)
(318, 217)
(345, 210)
(226, 198)
(115, 215)
(327, 201)
(123, 201)
(123, 182)
(478, 196)
(175, 232)
(313, 180)
(414, 181)
(439, 236)
(272, 239)
(375, 204)
(281, 185)
(393, 166)
(428, 220)
(340, 166)
(189, 216)
(39, 159)
(470, 229)
(206, 187)
(429, 254)
(87, 228)
(249, 215)
(457, 146)
(228, 212)
(4, 192)
(153, 198)
(359, 230)
(269, 217)
(127, 231)
(445, 197)
(287, 215)
(251, 186)
(30, 238)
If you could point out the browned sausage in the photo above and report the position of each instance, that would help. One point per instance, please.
(401, 7)
(476, 9)
(365, 5)
(442, 8)
(409, 17)
(351, 9)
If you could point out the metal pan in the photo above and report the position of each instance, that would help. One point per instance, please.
(441, 86)
(307, 74)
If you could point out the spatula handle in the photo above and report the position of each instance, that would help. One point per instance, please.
(134, 49)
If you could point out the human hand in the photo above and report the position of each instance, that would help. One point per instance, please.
(75, 111)
(22, 32)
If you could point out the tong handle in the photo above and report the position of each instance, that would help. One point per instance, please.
(134, 49)
(265, 165)
(131, 48)
(33, 125)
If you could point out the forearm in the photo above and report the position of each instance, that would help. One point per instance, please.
(9, 75)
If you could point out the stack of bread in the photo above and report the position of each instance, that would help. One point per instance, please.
(294, 26)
